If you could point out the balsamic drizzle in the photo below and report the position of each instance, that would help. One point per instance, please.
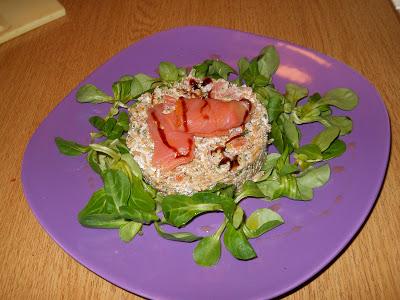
(184, 113)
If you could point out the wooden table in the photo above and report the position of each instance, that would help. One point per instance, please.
(39, 68)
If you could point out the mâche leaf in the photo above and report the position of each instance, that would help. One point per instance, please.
(88, 93)
(117, 186)
(342, 98)
(168, 71)
(180, 209)
(207, 251)
(129, 230)
(268, 62)
(261, 221)
(70, 148)
(337, 148)
(100, 212)
(326, 137)
(187, 237)
(237, 244)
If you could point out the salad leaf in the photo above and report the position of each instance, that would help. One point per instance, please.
(88, 93)
(237, 244)
(187, 237)
(268, 62)
(129, 230)
(337, 148)
(168, 71)
(261, 221)
(342, 98)
(180, 209)
(70, 148)
(295, 93)
(117, 186)
(97, 122)
(208, 251)
(100, 212)
(325, 138)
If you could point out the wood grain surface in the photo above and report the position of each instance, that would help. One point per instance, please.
(38, 69)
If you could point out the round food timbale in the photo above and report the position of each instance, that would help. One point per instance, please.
(197, 133)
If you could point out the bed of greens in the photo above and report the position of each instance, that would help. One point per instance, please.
(127, 203)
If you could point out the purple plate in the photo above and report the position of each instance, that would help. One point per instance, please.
(57, 187)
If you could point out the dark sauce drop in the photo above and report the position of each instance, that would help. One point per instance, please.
(184, 113)
(233, 162)
(194, 84)
(206, 81)
(204, 115)
(249, 107)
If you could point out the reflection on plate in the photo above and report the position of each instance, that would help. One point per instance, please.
(57, 187)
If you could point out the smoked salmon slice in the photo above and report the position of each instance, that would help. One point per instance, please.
(173, 133)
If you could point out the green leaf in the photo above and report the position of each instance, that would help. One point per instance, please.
(274, 108)
(237, 244)
(277, 136)
(291, 132)
(100, 212)
(109, 126)
(261, 221)
(122, 90)
(243, 65)
(219, 69)
(269, 164)
(343, 123)
(88, 93)
(146, 82)
(295, 93)
(207, 251)
(271, 188)
(288, 169)
(129, 230)
(268, 62)
(186, 237)
(132, 164)
(249, 189)
(289, 187)
(108, 221)
(116, 132)
(117, 186)
(168, 71)
(201, 70)
(337, 148)
(342, 98)
(251, 73)
(325, 138)
(70, 148)
(180, 209)
(123, 120)
(314, 177)
(226, 202)
(238, 217)
(309, 153)
(141, 205)
(94, 162)
(97, 122)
